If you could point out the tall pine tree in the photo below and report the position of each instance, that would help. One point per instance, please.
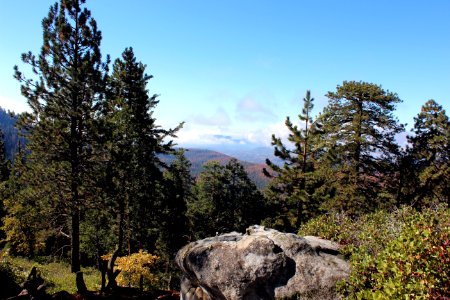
(359, 129)
(174, 232)
(430, 154)
(135, 141)
(295, 182)
(64, 100)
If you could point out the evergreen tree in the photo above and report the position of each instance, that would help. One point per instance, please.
(359, 130)
(404, 181)
(430, 155)
(26, 223)
(174, 232)
(293, 189)
(226, 200)
(245, 202)
(4, 175)
(4, 162)
(135, 141)
(11, 137)
(209, 192)
(179, 191)
(64, 103)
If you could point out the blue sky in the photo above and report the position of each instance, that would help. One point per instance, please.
(233, 70)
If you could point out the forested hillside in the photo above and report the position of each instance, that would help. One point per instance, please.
(100, 180)
(199, 157)
(11, 138)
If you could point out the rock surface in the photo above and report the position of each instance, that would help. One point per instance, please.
(261, 264)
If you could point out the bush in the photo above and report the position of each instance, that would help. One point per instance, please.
(133, 267)
(400, 255)
(369, 233)
(416, 264)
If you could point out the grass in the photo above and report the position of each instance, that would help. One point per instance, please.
(56, 275)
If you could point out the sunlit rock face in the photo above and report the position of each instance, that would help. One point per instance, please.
(260, 264)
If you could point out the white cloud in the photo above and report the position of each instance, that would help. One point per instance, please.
(263, 135)
(12, 104)
(194, 134)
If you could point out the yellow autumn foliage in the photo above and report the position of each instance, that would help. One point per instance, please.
(134, 266)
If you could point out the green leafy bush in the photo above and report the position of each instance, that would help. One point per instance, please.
(404, 254)
(414, 265)
(369, 233)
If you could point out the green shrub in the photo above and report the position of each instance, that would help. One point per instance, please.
(369, 233)
(400, 255)
(414, 265)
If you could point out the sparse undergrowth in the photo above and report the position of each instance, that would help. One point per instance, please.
(404, 254)
(57, 275)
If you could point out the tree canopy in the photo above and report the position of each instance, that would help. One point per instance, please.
(293, 189)
(430, 153)
(64, 99)
(359, 129)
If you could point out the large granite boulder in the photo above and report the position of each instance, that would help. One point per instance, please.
(260, 264)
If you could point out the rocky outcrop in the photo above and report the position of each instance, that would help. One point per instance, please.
(261, 264)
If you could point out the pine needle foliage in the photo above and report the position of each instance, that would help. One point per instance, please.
(359, 128)
(430, 153)
(63, 93)
(293, 190)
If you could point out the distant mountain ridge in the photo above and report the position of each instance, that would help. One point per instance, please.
(252, 153)
(198, 157)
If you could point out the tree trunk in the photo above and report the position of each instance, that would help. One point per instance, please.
(358, 133)
(81, 286)
(299, 220)
(75, 241)
(121, 216)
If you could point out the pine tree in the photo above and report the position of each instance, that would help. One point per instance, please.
(4, 162)
(4, 175)
(295, 182)
(135, 141)
(174, 226)
(359, 128)
(430, 153)
(179, 191)
(64, 103)
(26, 223)
(226, 200)
(11, 137)
(246, 203)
